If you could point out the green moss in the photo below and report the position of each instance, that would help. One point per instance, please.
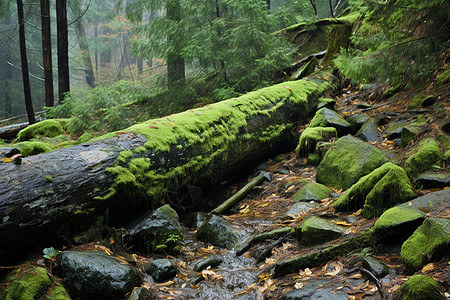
(339, 37)
(27, 284)
(430, 240)
(416, 101)
(311, 136)
(443, 78)
(396, 215)
(447, 157)
(48, 178)
(85, 137)
(444, 139)
(48, 128)
(317, 230)
(419, 287)
(311, 191)
(381, 189)
(33, 148)
(423, 157)
(58, 293)
(124, 155)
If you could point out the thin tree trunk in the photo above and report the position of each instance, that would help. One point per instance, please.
(8, 75)
(313, 3)
(47, 52)
(268, 4)
(24, 62)
(63, 49)
(331, 9)
(85, 54)
(175, 62)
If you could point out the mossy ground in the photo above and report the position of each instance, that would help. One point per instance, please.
(33, 148)
(27, 284)
(419, 287)
(48, 128)
(381, 189)
(423, 157)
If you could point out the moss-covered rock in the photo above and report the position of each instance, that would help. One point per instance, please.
(430, 203)
(326, 102)
(27, 284)
(396, 224)
(325, 117)
(423, 157)
(408, 134)
(299, 208)
(85, 137)
(356, 121)
(317, 230)
(158, 231)
(58, 293)
(369, 131)
(419, 287)
(33, 148)
(444, 78)
(430, 241)
(447, 157)
(309, 68)
(431, 180)
(311, 136)
(379, 190)
(48, 128)
(312, 191)
(217, 232)
(347, 161)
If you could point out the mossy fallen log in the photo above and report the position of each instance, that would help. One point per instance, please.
(145, 165)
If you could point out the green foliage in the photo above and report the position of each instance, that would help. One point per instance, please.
(173, 241)
(397, 40)
(50, 253)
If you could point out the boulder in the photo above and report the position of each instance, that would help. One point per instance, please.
(356, 121)
(311, 136)
(408, 134)
(315, 290)
(347, 161)
(383, 188)
(430, 241)
(300, 208)
(326, 102)
(431, 180)
(375, 266)
(325, 117)
(312, 191)
(141, 293)
(161, 269)
(396, 224)
(94, 275)
(317, 230)
(423, 157)
(430, 203)
(216, 231)
(158, 231)
(369, 131)
(419, 287)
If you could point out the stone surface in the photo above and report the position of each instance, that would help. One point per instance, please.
(375, 266)
(347, 161)
(94, 275)
(159, 230)
(317, 230)
(217, 232)
(141, 293)
(213, 261)
(369, 131)
(430, 203)
(161, 269)
(432, 180)
(356, 121)
(325, 117)
(315, 291)
(312, 191)
(299, 208)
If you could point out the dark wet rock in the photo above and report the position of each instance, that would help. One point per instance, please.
(446, 127)
(428, 101)
(195, 220)
(419, 287)
(315, 291)
(347, 161)
(212, 261)
(161, 269)
(431, 241)
(325, 117)
(369, 131)
(432, 180)
(408, 134)
(8, 152)
(379, 190)
(159, 230)
(312, 191)
(311, 136)
(430, 203)
(217, 232)
(394, 129)
(317, 230)
(422, 157)
(356, 121)
(396, 224)
(301, 208)
(326, 102)
(94, 275)
(141, 293)
(375, 266)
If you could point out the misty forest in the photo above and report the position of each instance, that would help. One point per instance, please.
(224, 149)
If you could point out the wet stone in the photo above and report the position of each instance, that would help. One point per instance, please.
(432, 180)
(299, 208)
(375, 266)
(161, 269)
(314, 291)
(141, 294)
(217, 232)
(317, 230)
(212, 261)
(369, 131)
(356, 121)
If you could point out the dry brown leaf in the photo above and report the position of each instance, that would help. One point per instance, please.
(337, 268)
(342, 223)
(428, 267)
(298, 285)
(164, 283)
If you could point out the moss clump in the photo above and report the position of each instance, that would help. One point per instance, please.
(85, 137)
(48, 178)
(423, 157)
(443, 78)
(317, 230)
(312, 191)
(419, 287)
(27, 284)
(308, 69)
(347, 161)
(447, 157)
(339, 37)
(58, 293)
(325, 117)
(430, 240)
(396, 215)
(311, 136)
(381, 189)
(48, 128)
(33, 148)
(416, 101)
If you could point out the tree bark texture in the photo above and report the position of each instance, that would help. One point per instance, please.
(47, 52)
(54, 194)
(175, 62)
(63, 49)
(85, 54)
(24, 62)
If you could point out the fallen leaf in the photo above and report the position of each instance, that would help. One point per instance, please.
(358, 212)
(298, 285)
(153, 127)
(343, 223)
(428, 267)
(337, 268)
(6, 159)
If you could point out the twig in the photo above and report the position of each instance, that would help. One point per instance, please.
(374, 278)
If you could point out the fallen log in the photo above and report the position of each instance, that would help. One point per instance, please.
(54, 194)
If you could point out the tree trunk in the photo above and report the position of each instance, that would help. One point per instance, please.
(313, 4)
(47, 52)
(85, 54)
(63, 49)
(24, 62)
(52, 195)
(175, 62)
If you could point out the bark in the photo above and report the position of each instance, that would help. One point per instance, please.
(52, 195)
(63, 49)
(85, 54)
(10, 132)
(47, 52)
(175, 62)
(24, 62)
